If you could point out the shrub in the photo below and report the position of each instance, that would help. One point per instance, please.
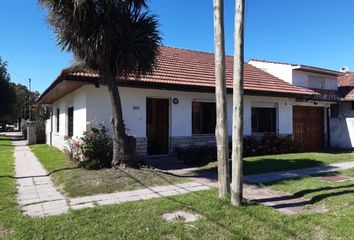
(269, 144)
(196, 155)
(96, 148)
(93, 150)
(73, 150)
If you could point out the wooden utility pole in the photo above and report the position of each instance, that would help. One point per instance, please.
(221, 133)
(29, 98)
(237, 112)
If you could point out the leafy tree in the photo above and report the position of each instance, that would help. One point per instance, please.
(117, 38)
(7, 94)
(24, 100)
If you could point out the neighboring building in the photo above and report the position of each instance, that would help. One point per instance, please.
(176, 105)
(312, 124)
(342, 121)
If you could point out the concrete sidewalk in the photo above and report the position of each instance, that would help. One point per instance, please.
(38, 196)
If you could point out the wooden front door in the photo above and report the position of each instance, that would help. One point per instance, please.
(308, 127)
(157, 120)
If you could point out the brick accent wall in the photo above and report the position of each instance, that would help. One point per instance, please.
(59, 141)
(190, 141)
(141, 147)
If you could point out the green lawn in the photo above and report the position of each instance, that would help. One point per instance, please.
(142, 220)
(74, 181)
(281, 162)
(335, 195)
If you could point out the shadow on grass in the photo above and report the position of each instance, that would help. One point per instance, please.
(266, 165)
(202, 212)
(323, 192)
(44, 175)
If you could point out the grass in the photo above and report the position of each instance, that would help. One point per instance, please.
(74, 181)
(142, 219)
(282, 162)
(330, 193)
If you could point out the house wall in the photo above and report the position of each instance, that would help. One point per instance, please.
(295, 77)
(301, 78)
(134, 111)
(342, 127)
(280, 70)
(92, 105)
(76, 99)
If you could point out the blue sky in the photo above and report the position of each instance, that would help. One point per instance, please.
(312, 32)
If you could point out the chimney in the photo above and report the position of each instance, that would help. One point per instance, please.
(344, 69)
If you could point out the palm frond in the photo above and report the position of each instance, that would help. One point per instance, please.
(121, 35)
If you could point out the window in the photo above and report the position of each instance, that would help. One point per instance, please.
(352, 105)
(334, 110)
(203, 117)
(57, 117)
(263, 120)
(317, 82)
(70, 121)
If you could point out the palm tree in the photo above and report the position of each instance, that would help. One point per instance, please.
(237, 123)
(117, 38)
(220, 95)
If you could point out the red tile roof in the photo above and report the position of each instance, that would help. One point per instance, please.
(346, 86)
(180, 67)
(346, 80)
(350, 95)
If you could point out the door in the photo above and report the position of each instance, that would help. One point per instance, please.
(157, 120)
(308, 127)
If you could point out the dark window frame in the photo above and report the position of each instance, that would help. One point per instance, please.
(58, 120)
(334, 109)
(70, 121)
(264, 119)
(203, 117)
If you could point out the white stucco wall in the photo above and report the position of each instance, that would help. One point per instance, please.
(301, 78)
(342, 127)
(290, 75)
(93, 104)
(76, 99)
(134, 109)
(282, 71)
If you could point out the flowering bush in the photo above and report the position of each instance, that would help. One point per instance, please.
(93, 150)
(96, 148)
(269, 144)
(73, 150)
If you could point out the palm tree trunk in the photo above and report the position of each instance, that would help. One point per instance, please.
(220, 94)
(122, 149)
(237, 126)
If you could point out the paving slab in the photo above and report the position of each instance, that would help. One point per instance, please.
(37, 194)
(82, 206)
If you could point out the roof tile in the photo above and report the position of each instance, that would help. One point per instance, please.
(195, 68)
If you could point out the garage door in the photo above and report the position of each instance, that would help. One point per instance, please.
(308, 124)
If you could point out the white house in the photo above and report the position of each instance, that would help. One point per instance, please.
(325, 82)
(176, 105)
